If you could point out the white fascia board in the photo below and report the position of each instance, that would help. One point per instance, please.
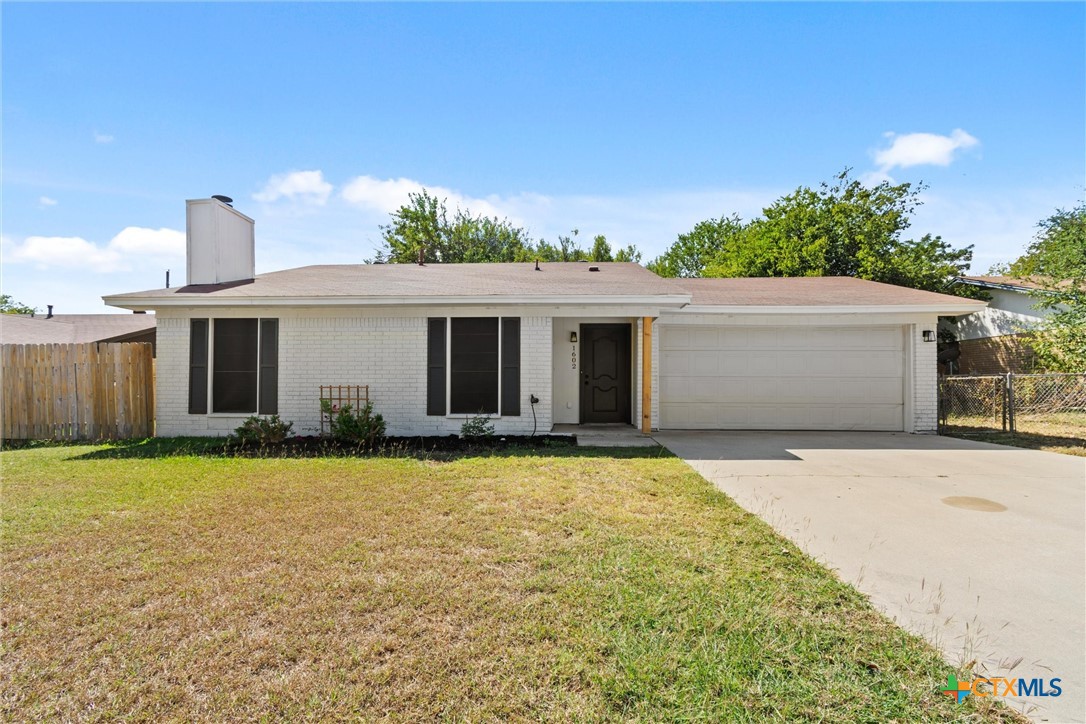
(661, 302)
(733, 309)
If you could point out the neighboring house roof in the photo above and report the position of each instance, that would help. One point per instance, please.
(74, 328)
(551, 283)
(1001, 282)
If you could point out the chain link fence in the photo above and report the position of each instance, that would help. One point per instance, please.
(1045, 404)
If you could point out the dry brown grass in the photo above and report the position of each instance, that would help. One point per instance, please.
(1054, 432)
(524, 588)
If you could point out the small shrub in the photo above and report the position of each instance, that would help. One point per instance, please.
(364, 426)
(478, 427)
(263, 430)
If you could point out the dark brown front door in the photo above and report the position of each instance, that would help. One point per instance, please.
(605, 373)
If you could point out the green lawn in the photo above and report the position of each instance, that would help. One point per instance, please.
(572, 586)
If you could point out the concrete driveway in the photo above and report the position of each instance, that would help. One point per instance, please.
(979, 548)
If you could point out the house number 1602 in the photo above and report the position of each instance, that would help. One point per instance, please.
(573, 358)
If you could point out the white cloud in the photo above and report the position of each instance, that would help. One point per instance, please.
(127, 250)
(45, 202)
(307, 187)
(922, 149)
(102, 137)
(387, 195)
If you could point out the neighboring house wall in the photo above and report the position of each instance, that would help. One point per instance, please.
(386, 352)
(996, 356)
(1007, 313)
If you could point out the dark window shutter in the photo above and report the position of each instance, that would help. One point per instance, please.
(511, 366)
(269, 366)
(198, 367)
(435, 366)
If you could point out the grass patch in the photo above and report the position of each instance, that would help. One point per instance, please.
(1063, 432)
(582, 584)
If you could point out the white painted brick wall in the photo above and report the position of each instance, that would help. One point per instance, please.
(386, 353)
(925, 377)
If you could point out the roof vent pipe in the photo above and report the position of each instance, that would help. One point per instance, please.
(49, 314)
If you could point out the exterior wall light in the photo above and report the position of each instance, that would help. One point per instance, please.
(573, 337)
(929, 335)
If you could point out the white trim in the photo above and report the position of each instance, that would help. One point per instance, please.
(944, 309)
(909, 378)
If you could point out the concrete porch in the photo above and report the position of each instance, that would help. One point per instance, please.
(605, 435)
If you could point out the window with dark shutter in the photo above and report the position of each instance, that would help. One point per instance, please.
(198, 366)
(269, 366)
(435, 366)
(473, 373)
(511, 366)
(234, 378)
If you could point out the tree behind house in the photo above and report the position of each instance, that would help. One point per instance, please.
(1056, 260)
(842, 228)
(424, 230)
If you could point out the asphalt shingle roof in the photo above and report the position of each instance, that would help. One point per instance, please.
(807, 292)
(439, 280)
(72, 328)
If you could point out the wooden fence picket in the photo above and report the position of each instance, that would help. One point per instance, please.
(77, 391)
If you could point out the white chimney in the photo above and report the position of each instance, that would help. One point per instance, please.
(221, 243)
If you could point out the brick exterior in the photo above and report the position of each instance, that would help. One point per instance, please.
(386, 353)
(925, 374)
(996, 356)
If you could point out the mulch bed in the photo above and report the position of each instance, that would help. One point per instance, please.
(314, 446)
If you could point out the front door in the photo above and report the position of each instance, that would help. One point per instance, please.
(605, 373)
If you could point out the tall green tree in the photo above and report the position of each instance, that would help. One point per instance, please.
(10, 306)
(841, 228)
(1056, 260)
(696, 249)
(424, 230)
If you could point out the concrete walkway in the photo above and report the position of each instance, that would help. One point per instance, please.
(979, 548)
(606, 435)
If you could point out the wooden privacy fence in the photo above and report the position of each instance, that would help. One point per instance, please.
(91, 391)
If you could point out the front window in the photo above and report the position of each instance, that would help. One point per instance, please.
(233, 366)
(234, 373)
(473, 366)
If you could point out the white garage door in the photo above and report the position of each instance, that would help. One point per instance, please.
(781, 378)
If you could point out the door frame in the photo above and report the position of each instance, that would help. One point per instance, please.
(627, 370)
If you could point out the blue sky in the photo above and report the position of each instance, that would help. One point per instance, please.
(634, 121)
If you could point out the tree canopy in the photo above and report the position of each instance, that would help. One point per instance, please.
(1056, 260)
(423, 230)
(842, 228)
(10, 306)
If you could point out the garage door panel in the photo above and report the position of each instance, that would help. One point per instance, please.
(719, 377)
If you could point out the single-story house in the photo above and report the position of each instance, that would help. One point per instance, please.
(995, 339)
(533, 345)
(76, 328)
